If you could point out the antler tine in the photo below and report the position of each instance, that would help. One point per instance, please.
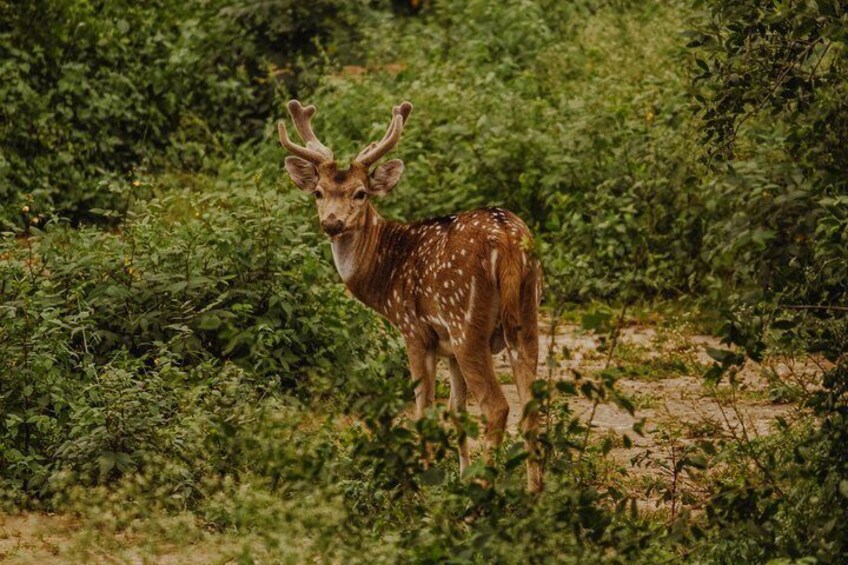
(374, 151)
(302, 118)
(373, 144)
(296, 149)
(314, 151)
(405, 109)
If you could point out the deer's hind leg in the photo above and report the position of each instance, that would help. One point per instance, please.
(522, 342)
(475, 364)
(470, 340)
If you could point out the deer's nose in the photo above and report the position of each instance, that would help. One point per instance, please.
(332, 226)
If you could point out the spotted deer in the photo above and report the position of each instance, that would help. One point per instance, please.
(462, 286)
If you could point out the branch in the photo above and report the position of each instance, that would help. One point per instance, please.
(780, 79)
(813, 307)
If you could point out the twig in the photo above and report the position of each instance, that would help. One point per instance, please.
(819, 62)
(745, 441)
(673, 479)
(813, 307)
(616, 332)
(781, 77)
(585, 443)
(550, 377)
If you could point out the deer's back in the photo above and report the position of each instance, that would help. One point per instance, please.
(445, 267)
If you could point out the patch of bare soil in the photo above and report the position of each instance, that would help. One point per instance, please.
(49, 539)
(661, 371)
(30, 538)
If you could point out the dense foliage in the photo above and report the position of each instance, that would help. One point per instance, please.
(94, 91)
(172, 330)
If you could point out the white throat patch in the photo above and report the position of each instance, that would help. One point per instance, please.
(344, 256)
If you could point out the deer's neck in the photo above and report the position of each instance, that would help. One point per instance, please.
(361, 259)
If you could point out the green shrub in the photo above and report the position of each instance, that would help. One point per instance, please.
(196, 354)
(94, 91)
(573, 117)
(230, 274)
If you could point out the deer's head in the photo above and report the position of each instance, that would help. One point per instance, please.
(341, 194)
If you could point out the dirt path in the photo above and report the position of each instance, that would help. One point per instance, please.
(661, 371)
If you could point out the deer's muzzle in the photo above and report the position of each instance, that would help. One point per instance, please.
(332, 226)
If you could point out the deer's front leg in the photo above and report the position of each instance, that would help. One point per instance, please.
(422, 365)
(458, 394)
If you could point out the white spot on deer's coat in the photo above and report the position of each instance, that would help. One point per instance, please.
(440, 321)
(470, 310)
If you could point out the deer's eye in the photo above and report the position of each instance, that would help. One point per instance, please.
(360, 195)
(318, 195)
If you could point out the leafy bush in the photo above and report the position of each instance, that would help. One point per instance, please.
(224, 275)
(94, 91)
(540, 118)
(770, 90)
(771, 93)
(194, 356)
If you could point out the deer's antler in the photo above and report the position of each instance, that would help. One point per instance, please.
(315, 151)
(374, 151)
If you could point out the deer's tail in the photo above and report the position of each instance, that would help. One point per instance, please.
(512, 275)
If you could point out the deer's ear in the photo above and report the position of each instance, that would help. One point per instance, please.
(386, 176)
(302, 173)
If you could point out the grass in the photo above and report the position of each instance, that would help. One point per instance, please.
(726, 394)
(506, 378)
(704, 427)
(645, 400)
(442, 388)
(655, 369)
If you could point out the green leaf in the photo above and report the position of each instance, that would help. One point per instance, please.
(596, 320)
(433, 476)
(209, 322)
(106, 462)
(475, 470)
